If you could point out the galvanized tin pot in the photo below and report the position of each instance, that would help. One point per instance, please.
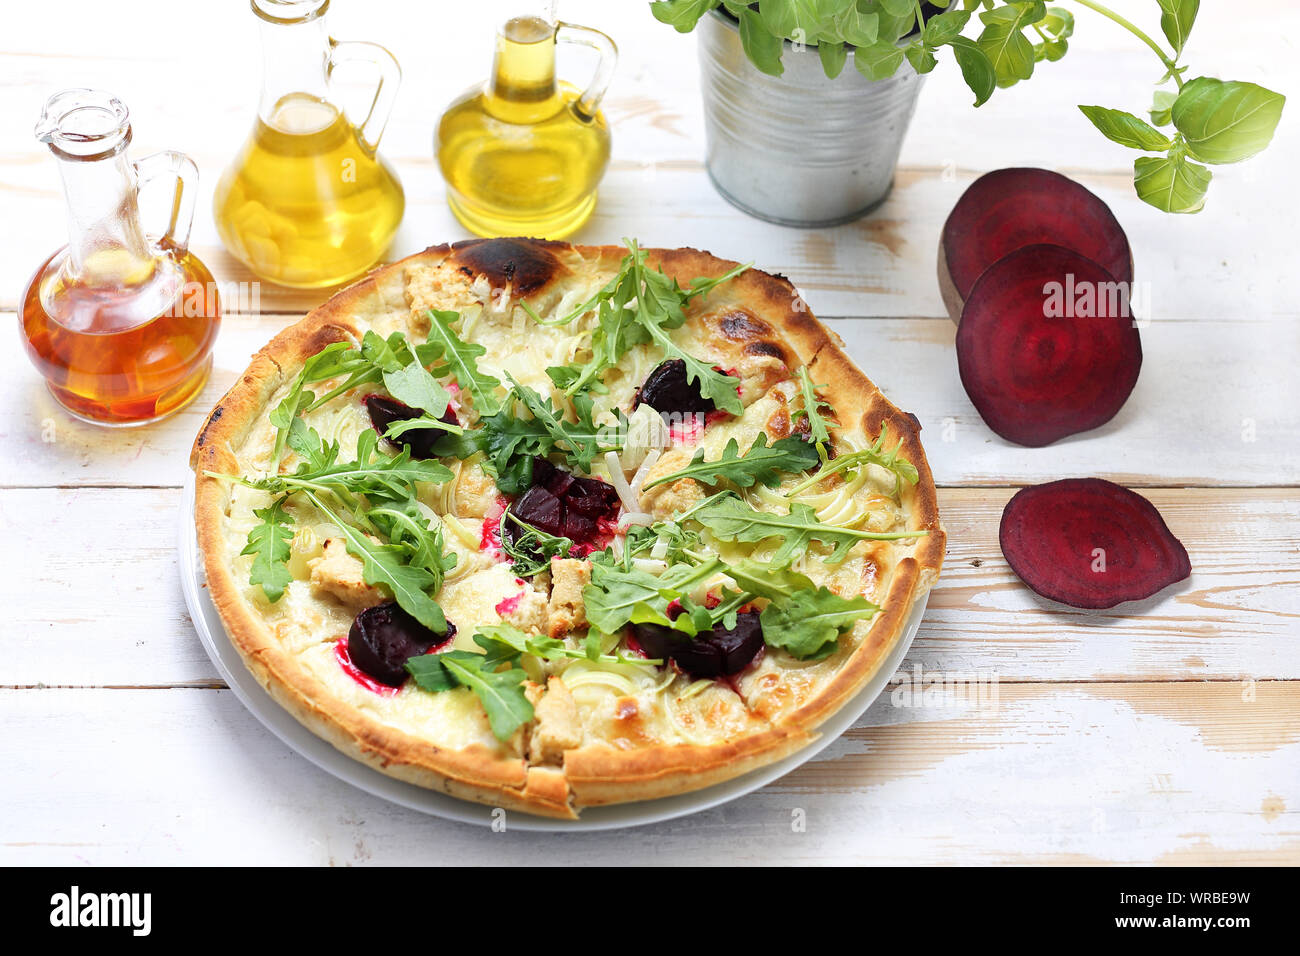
(799, 149)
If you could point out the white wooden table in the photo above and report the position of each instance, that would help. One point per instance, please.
(1169, 733)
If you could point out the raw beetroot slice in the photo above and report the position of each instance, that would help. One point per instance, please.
(1090, 543)
(1039, 366)
(1010, 208)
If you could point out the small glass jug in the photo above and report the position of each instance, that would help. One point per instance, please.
(523, 153)
(121, 327)
(308, 202)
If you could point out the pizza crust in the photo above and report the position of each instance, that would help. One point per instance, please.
(753, 321)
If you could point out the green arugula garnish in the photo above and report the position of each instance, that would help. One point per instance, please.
(902, 469)
(505, 639)
(731, 519)
(761, 463)
(812, 408)
(531, 549)
(511, 441)
(620, 596)
(500, 692)
(642, 305)
(372, 472)
(801, 618)
(268, 542)
(388, 565)
(459, 361)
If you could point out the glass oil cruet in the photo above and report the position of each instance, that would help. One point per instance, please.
(523, 153)
(120, 326)
(308, 202)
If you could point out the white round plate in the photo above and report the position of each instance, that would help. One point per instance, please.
(225, 658)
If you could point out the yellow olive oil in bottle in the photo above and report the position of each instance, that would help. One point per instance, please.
(523, 153)
(308, 201)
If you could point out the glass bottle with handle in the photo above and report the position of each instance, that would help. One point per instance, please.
(523, 153)
(308, 201)
(121, 326)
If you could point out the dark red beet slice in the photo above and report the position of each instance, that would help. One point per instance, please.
(1035, 376)
(1010, 208)
(718, 653)
(384, 411)
(384, 637)
(1090, 543)
(564, 504)
(668, 392)
(539, 508)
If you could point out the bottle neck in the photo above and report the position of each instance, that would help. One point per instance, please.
(522, 88)
(295, 59)
(106, 242)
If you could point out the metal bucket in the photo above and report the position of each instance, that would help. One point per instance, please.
(799, 149)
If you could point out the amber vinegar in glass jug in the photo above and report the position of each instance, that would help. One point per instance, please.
(523, 153)
(308, 202)
(120, 326)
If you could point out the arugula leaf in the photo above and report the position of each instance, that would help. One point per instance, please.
(801, 618)
(307, 444)
(459, 360)
(903, 470)
(761, 463)
(512, 442)
(617, 596)
(505, 638)
(386, 565)
(371, 472)
(812, 408)
(731, 519)
(324, 364)
(500, 692)
(269, 542)
(532, 549)
(808, 624)
(640, 305)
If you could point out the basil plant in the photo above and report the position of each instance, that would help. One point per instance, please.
(1197, 123)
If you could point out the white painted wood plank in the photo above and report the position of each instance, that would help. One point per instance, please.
(1181, 773)
(1217, 402)
(102, 603)
(1228, 262)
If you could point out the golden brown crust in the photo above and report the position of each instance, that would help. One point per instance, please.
(757, 316)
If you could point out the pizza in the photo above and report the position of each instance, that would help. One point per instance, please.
(549, 526)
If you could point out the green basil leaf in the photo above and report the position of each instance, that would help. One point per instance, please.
(1162, 106)
(1226, 121)
(1176, 19)
(976, 68)
(681, 15)
(832, 56)
(920, 57)
(1171, 184)
(762, 47)
(1003, 41)
(878, 61)
(944, 27)
(856, 27)
(1126, 129)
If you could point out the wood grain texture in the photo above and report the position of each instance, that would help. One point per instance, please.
(1237, 617)
(1166, 734)
(1185, 772)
